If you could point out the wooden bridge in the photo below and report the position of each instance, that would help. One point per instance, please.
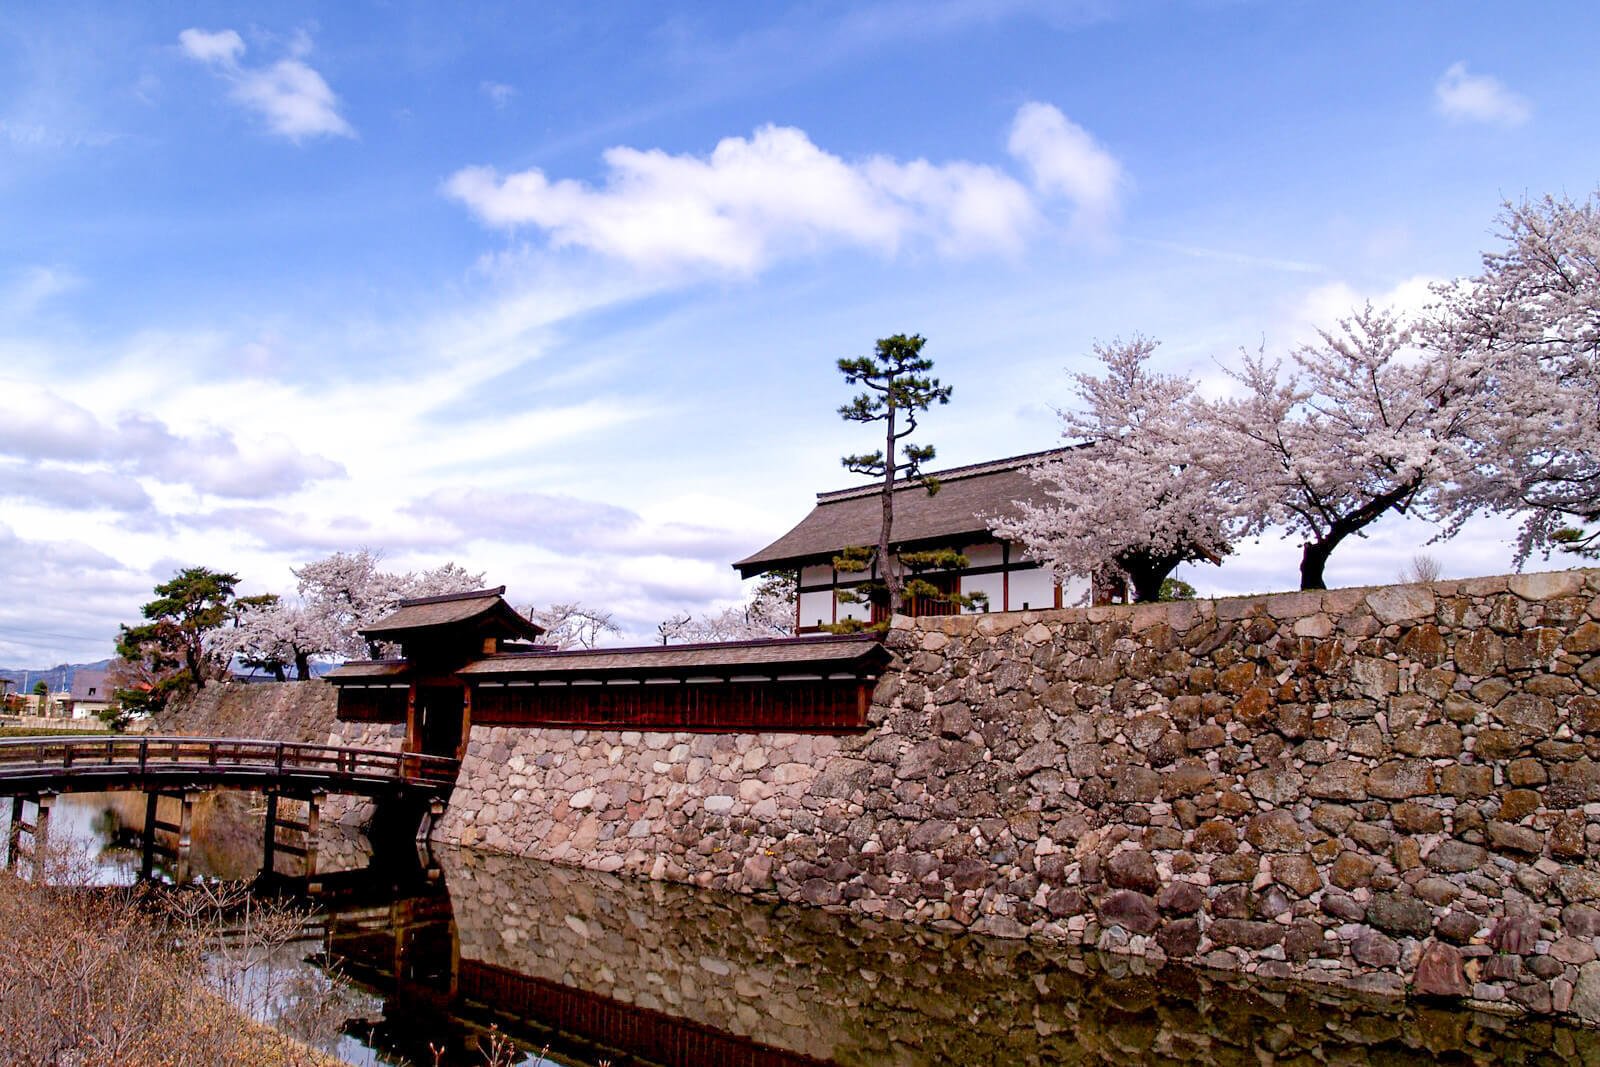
(34, 770)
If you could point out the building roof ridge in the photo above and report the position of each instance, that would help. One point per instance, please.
(444, 598)
(970, 470)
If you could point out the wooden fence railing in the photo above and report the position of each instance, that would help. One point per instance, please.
(35, 757)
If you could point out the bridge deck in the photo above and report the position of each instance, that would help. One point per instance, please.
(67, 764)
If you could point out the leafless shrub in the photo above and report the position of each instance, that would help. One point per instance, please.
(1422, 568)
(104, 975)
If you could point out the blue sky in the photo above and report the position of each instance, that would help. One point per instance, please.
(557, 293)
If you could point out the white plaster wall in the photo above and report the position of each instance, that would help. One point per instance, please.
(815, 607)
(984, 555)
(816, 574)
(1032, 589)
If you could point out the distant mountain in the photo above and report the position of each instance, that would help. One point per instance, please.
(59, 677)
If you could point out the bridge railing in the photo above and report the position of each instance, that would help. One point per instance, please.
(29, 756)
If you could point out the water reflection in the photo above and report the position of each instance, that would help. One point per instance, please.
(603, 968)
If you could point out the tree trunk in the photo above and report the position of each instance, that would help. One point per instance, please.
(193, 660)
(1147, 572)
(302, 667)
(1314, 561)
(886, 564)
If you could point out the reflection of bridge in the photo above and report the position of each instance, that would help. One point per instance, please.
(34, 770)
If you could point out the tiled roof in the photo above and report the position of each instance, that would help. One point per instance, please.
(367, 670)
(848, 517)
(766, 657)
(423, 613)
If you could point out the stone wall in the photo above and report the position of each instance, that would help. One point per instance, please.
(1392, 788)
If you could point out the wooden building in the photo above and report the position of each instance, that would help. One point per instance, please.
(469, 659)
(955, 517)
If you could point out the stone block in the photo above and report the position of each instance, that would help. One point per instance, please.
(1215, 836)
(1373, 949)
(1180, 898)
(1132, 911)
(1456, 857)
(1275, 831)
(1439, 972)
(1397, 914)
(1430, 742)
(1340, 780)
(1298, 874)
(1401, 603)
(1133, 869)
(1245, 933)
(1546, 585)
(1400, 779)
(1506, 837)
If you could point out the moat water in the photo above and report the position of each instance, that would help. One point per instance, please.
(575, 967)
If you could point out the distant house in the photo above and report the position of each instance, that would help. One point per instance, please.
(92, 692)
(954, 517)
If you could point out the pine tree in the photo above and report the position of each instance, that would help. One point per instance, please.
(897, 389)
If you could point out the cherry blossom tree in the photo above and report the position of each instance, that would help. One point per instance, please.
(1528, 326)
(573, 625)
(768, 613)
(347, 591)
(1129, 501)
(277, 635)
(1366, 425)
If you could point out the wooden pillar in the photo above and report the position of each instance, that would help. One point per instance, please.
(313, 826)
(435, 813)
(41, 833)
(147, 860)
(269, 838)
(185, 835)
(16, 831)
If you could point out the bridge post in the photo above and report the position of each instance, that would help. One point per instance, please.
(185, 835)
(41, 833)
(147, 859)
(313, 827)
(269, 838)
(15, 836)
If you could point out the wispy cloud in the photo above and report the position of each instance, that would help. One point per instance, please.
(292, 97)
(1222, 255)
(755, 200)
(1465, 97)
(33, 287)
(499, 93)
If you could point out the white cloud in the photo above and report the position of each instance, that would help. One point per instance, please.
(499, 93)
(752, 201)
(45, 427)
(225, 47)
(1064, 159)
(290, 95)
(1464, 97)
(1323, 306)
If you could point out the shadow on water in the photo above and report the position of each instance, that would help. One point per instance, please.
(600, 968)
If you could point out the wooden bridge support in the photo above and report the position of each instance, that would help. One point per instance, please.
(307, 833)
(38, 832)
(181, 833)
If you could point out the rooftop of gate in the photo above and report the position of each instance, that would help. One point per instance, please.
(466, 612)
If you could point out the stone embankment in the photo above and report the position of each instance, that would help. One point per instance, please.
(1392, 788)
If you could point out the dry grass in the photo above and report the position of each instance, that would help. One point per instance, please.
(93, 977)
